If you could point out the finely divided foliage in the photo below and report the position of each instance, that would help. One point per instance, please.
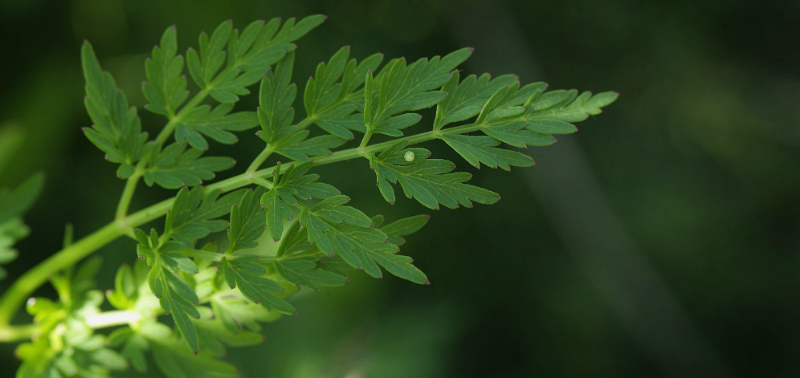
(204, 269)
(12, 205)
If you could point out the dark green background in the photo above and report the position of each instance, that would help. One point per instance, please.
(659, 241)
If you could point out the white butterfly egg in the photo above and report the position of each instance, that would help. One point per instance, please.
(409, 156)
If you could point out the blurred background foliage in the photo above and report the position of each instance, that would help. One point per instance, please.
(662, 240)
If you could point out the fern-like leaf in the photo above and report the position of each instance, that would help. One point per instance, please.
(12, 205)
(400, 88)
(286, 188)
(165, 88)
(330, 104)
(248, 55)
(249, 277)
(176, 297)
(216, 124)
(247, 221)
(174, 167)
(117, 128)
(275, 112)
(194, 215)
(429, 181)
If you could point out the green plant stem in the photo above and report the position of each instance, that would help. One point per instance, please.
(35, 277)
(256, 164)
(9, 334)
(262, 157)
(32, 279)
(262, 182)
(18, 333)
(112, 318)
(127, 194)
(365, 140)
(306, 122)
(133, 180)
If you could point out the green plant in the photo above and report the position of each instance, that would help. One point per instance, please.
(216, 294)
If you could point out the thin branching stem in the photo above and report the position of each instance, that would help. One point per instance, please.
(166, 132)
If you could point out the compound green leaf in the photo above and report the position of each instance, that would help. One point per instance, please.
(276, 211)
(293, 183)
(295, 243)
(398, 265)
(392, 125)
(360, 247)
(245, 274)
(175, 361)
(165, 88)
(405, 226)
(429, 181)
(567, 106)
(305, 272)
(177, 298)
(11, 231)
(174, 167)
(504, 103)
(482, 149)
(194, 214)
(305, 186)
(248, 55)
(467, 97)
(341, 122)
(333, 210)
(15, 203)
(12, 205)
(117, 128)
(126, 285)
(297, 147)
(323, 90)
(330, 103)
(214, 336)
(133, 346)
(520, 117)
(514, 134)
(235, 312)
(354, 239)
(401, 88)
(216, 124)
(247, 221)
(276, 95)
